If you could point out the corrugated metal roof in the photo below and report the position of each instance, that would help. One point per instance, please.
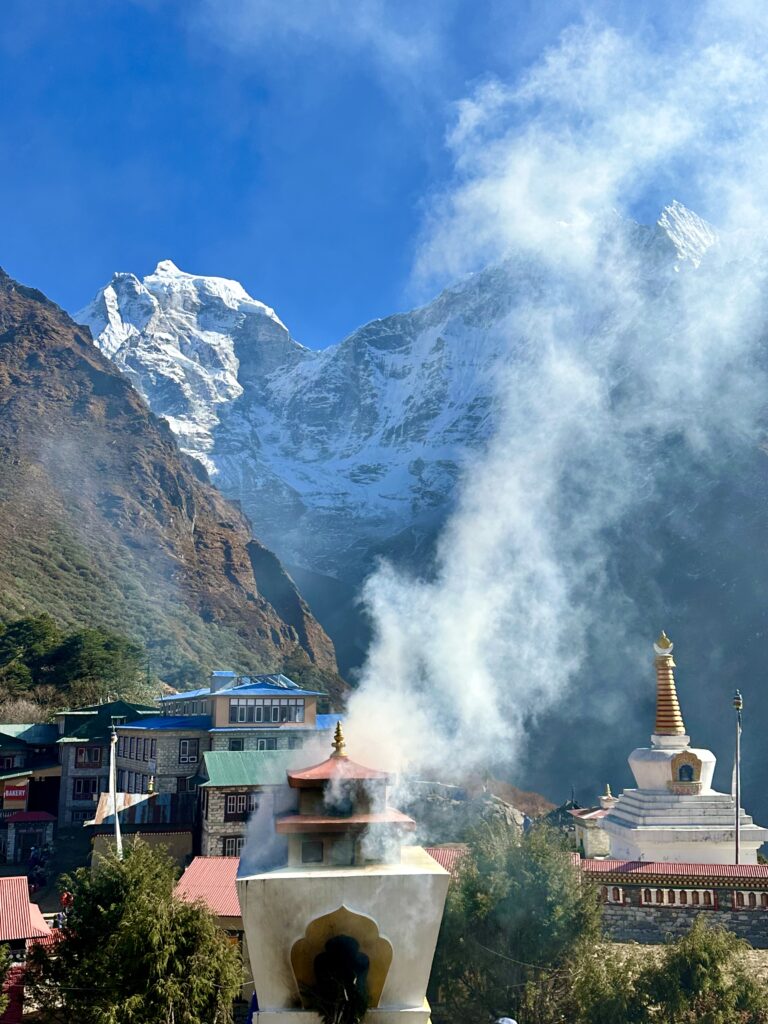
(246, 767)
(19, 919)
(643, 868)
(212, 880)
(264, 685)
(201, 723)
(448, 857)
(37, 734)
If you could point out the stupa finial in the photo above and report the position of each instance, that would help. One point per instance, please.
(669, 718)
(339, 747)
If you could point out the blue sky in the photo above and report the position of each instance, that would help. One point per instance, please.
(295, 145)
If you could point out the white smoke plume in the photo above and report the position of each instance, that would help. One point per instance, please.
(616, 349)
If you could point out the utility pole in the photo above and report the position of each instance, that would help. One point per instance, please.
(113, 792)
(738, 704)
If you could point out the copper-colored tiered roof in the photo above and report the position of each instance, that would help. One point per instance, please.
(337, 823)
(337, 767)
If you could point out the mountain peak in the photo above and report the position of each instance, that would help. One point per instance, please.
(167, 268)
(690, 234)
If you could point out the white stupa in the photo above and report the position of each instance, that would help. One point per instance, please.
(674, 814)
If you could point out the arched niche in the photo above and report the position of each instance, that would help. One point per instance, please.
(342, 922)
(685, 768)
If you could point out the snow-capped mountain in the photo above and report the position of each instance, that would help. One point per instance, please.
(339, 454)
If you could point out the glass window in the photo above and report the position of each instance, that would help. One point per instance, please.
(269, 743)
(132, 746)
(188, 751)
(236, 744)
(312, 851)
(233, 845)
(153, 749)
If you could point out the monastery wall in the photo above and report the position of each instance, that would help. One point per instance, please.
(651, 925)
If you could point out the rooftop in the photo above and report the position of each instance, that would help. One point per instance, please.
(298, 823)
(245, 767)
(212, 880)
(338, 767)
(646, 870)
(246, 686)
(19, 919)
(448, 857)
(170, 722)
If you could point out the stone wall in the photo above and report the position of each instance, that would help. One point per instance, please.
(272, 800)
(653, 924)
(285, 739)
(166, 767)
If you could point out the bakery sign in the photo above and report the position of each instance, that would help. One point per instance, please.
(15, 791)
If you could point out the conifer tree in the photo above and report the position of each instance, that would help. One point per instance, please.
(132, 953)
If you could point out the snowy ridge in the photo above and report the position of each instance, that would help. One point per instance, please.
(335, 454)
(690, 235)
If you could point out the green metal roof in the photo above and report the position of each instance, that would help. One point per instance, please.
(245, 767)
(36, 734)
(98, 723)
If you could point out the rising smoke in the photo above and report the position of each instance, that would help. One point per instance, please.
(625, 361)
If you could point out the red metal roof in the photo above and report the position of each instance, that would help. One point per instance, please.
(589, 813)
(642, 868)
(31, 816)
(212, 880)
(19, 919)
(334, 768)
(326, 823)
(448, 857)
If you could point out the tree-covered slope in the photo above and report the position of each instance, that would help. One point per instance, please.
(104, 521)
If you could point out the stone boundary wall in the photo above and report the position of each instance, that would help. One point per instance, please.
(650, 925)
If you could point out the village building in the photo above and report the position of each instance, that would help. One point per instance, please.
(30, 770)
(674, 815)
(334, 901)
(213, 881)
(233, 786)
(163, 753)
(83, 743)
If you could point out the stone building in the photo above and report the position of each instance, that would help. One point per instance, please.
(674, 815)
(83, 743)
(351, 901)
(233, 714)
(233, 786)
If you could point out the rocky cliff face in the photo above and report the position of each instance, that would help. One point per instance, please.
(341, 454)
(344, 454)
(103, 519)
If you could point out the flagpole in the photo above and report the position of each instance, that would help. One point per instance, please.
(113, 793)
(738, 704)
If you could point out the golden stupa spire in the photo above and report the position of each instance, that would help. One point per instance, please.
(339, 749)
(669, 719)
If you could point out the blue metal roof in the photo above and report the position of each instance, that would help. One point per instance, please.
(265, 690)
(275, 685)
(324, 722)
(188, 694)
(201, 722)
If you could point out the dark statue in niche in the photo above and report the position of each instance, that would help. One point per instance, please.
(685, 773)
(340, 992)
